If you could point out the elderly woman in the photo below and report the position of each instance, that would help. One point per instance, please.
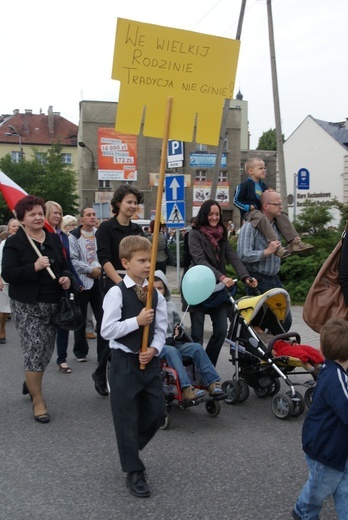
(34, 293)
(5, 310)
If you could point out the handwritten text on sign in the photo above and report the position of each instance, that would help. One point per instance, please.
(154, 62)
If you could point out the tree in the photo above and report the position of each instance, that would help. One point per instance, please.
(268, 140)
(45, 176)
(313, 217)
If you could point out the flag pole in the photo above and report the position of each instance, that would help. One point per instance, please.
(157, 219)
(38, 252)
(34, 246)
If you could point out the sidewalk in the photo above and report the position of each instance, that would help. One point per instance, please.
(308, 336)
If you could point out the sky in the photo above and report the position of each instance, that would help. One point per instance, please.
(59, 53)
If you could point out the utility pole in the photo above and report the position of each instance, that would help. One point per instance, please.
(224, 119)
(279, 135)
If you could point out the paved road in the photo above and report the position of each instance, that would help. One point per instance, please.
(244, 464)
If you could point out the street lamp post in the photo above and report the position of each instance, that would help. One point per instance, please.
(83, 145)
(15, 132)
(84, 191)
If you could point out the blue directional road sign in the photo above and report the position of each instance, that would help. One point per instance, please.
(175, 187)
(303, 179)
(175, 214)
(175, 200)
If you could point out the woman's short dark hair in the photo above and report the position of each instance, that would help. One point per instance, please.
(26, 204)
(152, 226)
(205, 209)
(119, 195)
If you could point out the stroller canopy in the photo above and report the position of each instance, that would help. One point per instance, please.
(277, 300)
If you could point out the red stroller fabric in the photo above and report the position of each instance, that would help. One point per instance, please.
(305, 353)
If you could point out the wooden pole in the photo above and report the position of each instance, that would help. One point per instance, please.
(225, 112)
(157, 219)
(276, 103)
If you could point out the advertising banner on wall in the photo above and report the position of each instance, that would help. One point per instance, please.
(202, 189)
(206, 160)
(117, 156)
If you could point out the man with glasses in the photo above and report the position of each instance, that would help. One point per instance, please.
(257, 254)
(247, 199)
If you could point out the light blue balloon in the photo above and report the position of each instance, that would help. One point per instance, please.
(198, 284)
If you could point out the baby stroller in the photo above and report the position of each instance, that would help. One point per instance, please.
(255, 366)
(173, 393)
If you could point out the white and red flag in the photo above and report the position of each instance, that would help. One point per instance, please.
(11, 192)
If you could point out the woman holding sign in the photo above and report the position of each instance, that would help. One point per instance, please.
(209, 246)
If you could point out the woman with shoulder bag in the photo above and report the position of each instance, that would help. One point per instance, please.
(34, 293)
(343, 269)
(54, 217)
(209, 246)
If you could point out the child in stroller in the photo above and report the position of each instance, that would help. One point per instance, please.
(256, 366)
(179, 352)
(310, 357)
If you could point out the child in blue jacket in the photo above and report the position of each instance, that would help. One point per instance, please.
(247, 199)
(325, 429)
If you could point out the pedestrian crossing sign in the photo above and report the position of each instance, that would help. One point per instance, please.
(175, 214)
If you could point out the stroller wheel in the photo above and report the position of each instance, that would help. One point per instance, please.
(261, 392)
(298, 402)
(308, 396)
(282, 406)
(212, 407)
(243, 390)
(165, 424)
(231, 388)
(274, 388)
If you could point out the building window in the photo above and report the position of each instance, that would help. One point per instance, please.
(16, 156)
(66, 158)
(222, 176)
(103, 184)
(41, 158)
(201, 175)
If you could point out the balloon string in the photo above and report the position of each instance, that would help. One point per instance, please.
(182, 319)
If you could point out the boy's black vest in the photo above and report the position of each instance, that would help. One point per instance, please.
(132, 306)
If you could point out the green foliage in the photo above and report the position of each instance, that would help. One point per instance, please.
(298, 271)
(47, 177)
(313, 217)
(268, 140)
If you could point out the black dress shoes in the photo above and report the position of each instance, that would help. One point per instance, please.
(43, 418)
(136, 482)
(100, 385)
(25, 389)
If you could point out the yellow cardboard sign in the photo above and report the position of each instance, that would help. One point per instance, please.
(154, 62)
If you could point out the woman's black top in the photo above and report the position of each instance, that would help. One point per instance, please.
(25, 284)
